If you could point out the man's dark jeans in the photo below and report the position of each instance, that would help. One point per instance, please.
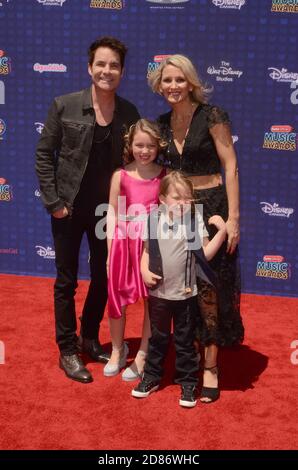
(68, 233)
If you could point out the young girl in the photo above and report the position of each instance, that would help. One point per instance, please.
(138, 186)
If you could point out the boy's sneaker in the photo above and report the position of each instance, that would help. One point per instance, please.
(188, 396)
(144, 388)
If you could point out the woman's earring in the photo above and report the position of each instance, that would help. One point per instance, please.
(161, 92)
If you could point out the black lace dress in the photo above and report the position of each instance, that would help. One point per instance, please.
(219, 320)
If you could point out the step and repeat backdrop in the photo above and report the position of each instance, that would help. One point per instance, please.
(245, 49)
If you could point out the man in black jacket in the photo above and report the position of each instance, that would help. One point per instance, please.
(80, 147)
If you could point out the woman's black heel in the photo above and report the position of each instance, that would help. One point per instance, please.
(212, 393)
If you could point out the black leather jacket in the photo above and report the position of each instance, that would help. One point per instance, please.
(64, 147)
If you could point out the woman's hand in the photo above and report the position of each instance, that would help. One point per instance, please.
(233, 231)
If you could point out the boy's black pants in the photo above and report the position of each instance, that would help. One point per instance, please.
(183, 313)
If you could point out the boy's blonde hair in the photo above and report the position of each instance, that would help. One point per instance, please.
(175, 178)
(199, 92)
(143, 125)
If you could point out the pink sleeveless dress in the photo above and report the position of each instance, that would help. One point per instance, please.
(125, 284)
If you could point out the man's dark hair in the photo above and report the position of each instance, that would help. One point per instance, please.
(111, 43)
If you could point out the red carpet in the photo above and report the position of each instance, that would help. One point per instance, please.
(41, 409)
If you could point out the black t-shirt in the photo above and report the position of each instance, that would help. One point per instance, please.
(95, 185)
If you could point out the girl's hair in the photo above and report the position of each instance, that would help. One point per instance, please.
(143, 125)
(174, 178)
(199, 92)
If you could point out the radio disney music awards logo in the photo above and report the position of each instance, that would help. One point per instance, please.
(2, 128)
(280, 138)
(285, 6)
(5, 191)
(3, 2)
(274, 267)
(108, 4)
(39, 127)
(276, 211)
(235, 4)
(49, 68)
(224, 73)
(282, 75)
(45, 253)
(52, 3)
(5, 63)
(157, 59)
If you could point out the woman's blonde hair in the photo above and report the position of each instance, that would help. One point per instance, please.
(199, 91)
(143, 125)
(175, 178)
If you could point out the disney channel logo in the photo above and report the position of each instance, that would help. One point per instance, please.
(285, 6)
(274, 267)
(2, 128)
(39, 127)
(46, 253)
(225, 72)
(235, 4)
(5, 63)
(283, 75)
(275, 210)
(108, 4)
(5, 191)
(280, 138)
(52, 3)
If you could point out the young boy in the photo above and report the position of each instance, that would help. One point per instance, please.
(168, 267)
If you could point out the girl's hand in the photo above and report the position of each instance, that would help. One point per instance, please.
(233, 235)
(108, 266)
(150, 279)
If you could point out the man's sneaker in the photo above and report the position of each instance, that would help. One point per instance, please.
(188, 396)
(144, 388)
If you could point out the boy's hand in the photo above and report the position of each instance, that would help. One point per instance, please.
(61, 213)
(149, 278)
(218, 221)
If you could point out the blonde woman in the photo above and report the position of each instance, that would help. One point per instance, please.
(200, 145)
